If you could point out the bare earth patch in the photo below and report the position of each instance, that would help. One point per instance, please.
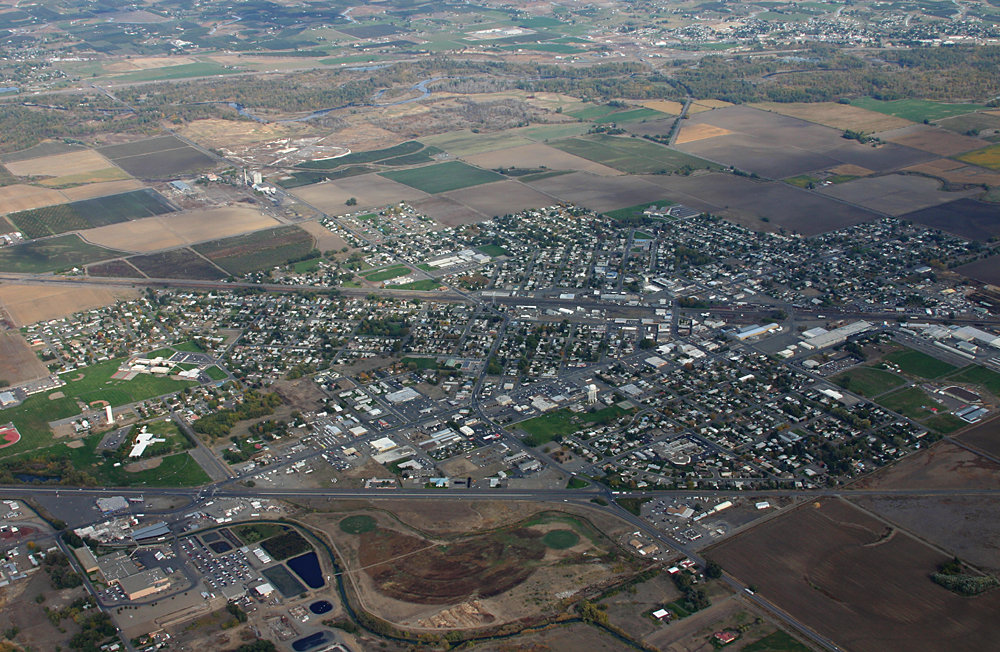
(27, 304)
(143, 465)
(326, 239)
(18, 362)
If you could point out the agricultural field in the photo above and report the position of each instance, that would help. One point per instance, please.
(259, 250)
(983, 123)
(984, 436)
(298, 179)
(868, 381)
(545, 133)
(442, 177)
(986, 270)
(967, 218)
(28, 304)
(894, 194)
(326, 240)
(370, 191)
(914, 403)
(21, 197)
(162, 157)
(182, 228)
(941, 466)
(836, 116)
(115, 269)
(921, 365)
(502, 198)
(633, 156)
(599, 193)
(60, 169)
(537, 155)
(987, 157)
(446, 211)
(976, 375)
(933, 139)
(90, 213)
(856, 580)
(92, 190)
(957, 173)
(178, 263)
(182, 71)
(52, 254)
(915, 110)
(371, 156)
(631, 115)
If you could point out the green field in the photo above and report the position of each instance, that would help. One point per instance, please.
(634, 115)
(915, 363)
(987, 157)
(371, 156)
(297, 179)
(916, 110)
(179, 470)
(632, 155)
(90, 213)
(635, 212)
(547, 427)
(200, 69)
(545, 132)
(190, 346)
(52, 254)
(423, 285)
(466, 143)
(557, 48)
(592, 111)
(258, 250)
(388, 273)
(255, 532)
(779, 641)
(976, 375)
(867, 381)
(912, 402)
(357, 524)
(561, 539)
(305, 266)
(493, 250)
(215, 373)
(443, 177)
(423, 156)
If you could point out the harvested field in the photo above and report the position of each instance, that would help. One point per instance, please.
(465, 143)
(779, 146)
(964, 525)
(957, 173)
(371, 191)
(692, 132)
(254, 251)
(46, 148)
(27, 304)
(967, 218)
(447, 212)
(57, 165)
(894, 194)
(442, 177)
(157, 158)
(942, 466)
(500, 198)
(20, 197)
(986, 270)
(836, 115)
(179, 263)
(18, 362)
(176, 229)
(858, 581)
(85, 178)
(91, 190)
(664, 106)
(632, 155)
(598, 193)
(326, 240)
(537, 155)
(712, 103)
(52, 254)
(90, 213)
(933, 139)
(850, 170)
(985, 437)
(652, 127)
(746, 202)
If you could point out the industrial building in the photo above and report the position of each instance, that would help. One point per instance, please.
(820, 338)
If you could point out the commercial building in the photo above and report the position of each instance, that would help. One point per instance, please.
(140, 585)
(836, 336)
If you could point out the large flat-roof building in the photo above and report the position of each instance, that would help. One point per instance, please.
(143, 584)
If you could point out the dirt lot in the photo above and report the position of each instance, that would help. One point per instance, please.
(58, 165)
(778, 146)
(448, 212)
(894, 194)
(934, 140)
(18, 362)
(599, 193)
(968, 218)
(326, 240)
(746, 202)
(985, 437)
(501, 198)
(837, 116)
(964, 525)
(691, 133)
(942, 466)
(858, 581)
(538, 155)
(35, 630)
(20, 197)
(371, 191)
(27, 304)
(176, 229)
(569, 637)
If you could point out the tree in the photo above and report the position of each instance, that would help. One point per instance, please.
(352, 201)
(713, 570)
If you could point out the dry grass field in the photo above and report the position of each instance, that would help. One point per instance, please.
(837, 116)
(20, 197)
(18, 363)
(692, 132)
(92, 190)
(146, 63)
(535, 156)
(214, 132)
(58, 165)
(83, 178)
(326, 240)
(176, 229)
(371, 191)
(942, 466)
(858, 580)
(500, 198)
(27, 304)
(663, 106)
(894, 194)
(933, 139)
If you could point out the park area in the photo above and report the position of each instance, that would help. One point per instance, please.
(555, 425)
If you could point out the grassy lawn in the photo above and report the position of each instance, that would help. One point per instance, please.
(945, 423)
(190, 347)
(257, 532)
(779, 641)
(976, 375)
(916, 363)
(867, 381)
(916, 110)
(357, 524)
(912, 402)
(97, 384)
(423, 285)
(215, 373)
(493, 250)
(305, 266)
(387, 273)
(443, 177)
(421, 363)
(633, 212)
(561, 539)
(632, 155)
(544, 428)
(577, 483)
